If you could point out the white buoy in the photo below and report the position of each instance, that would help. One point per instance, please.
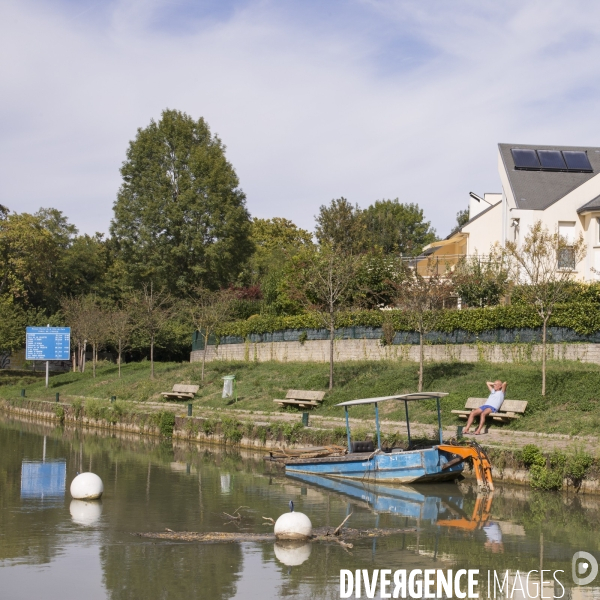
(293, 526)
(85, 513)
(292, 553)
(87, 486)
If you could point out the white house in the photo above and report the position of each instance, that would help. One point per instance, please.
(558, 185)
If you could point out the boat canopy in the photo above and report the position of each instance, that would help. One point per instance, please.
(404, 397)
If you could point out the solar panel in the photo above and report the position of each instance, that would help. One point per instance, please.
(525, 158)
(552, 160)
(577, 160)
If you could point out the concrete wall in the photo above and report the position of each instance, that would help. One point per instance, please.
(318, 351)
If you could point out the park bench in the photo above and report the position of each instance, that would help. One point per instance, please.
(302, 398)
(510, 409)
(182, 391)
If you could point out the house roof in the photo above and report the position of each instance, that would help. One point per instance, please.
(537, 190)
(592, 205)
(479, 214)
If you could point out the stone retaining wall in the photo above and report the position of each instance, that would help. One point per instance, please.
(318, 351)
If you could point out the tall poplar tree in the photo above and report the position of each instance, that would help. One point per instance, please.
(180, 216)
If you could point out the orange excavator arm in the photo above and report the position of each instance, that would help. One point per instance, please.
(481, 463)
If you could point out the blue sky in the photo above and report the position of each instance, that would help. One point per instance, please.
(314, 99)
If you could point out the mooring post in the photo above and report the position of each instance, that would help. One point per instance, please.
(190, 409)
(305, 419)
(441, 436)
(57, 397)
(22, 393)
(407, 423)
(348, 430)
(377, 426)
(113, 399)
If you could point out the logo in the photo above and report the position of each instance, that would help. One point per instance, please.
(584, 567)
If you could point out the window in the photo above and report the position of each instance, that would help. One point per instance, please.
(566, 259)
(566, 256)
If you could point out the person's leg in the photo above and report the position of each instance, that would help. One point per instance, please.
(484, 414)
(474, 413)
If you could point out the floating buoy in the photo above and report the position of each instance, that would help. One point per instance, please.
(85, 513)
(293, 526)
(292, 552)
(87, 486)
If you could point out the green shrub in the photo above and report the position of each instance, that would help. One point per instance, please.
(577, 466)
(542, 478)
(209, 426)
(59, 411)
(583, 317)
(231, 430)
(77, 405)
(94, 409)
(531, 455)
(165, 421)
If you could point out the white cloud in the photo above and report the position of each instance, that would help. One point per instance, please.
(387, 99)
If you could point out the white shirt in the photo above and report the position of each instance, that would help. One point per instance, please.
(496, 398)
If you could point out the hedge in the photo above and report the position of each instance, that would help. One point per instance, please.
(583, 318)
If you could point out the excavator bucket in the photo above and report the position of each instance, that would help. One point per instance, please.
(480, 461)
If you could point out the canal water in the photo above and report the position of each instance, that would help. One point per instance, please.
(52, 547)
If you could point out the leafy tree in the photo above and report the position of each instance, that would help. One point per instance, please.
(206, 310)
(274, 240)
(340, 226)
(180, 216)
(325, 282)
(396, 227)
(462, 218)
(28, 257)
(421, 293)
(13, 320)
(544, 264)
(481, 281)
(151, 312)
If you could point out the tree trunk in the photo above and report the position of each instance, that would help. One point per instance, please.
(119, 359)
(83, 356)
(331, 339)
(74, 362)
(152, 357)
(544, 356)
(94, 359)
(421, 358)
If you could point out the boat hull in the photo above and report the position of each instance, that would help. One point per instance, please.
(414, 466)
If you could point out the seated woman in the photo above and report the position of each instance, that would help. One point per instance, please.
(492, 405)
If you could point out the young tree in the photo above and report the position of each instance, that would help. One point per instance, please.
(421, 293)
(151, 311)
(206, 310)
(324, 282)
(180, 216)
(98, 328)
(76, 311)
(120, 330)
(544, 264)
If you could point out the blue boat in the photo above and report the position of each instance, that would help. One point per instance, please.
(367, 463)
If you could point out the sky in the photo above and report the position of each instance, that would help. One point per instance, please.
(314, 100)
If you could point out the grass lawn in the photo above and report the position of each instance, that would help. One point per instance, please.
(571, 406)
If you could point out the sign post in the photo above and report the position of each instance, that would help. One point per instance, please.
(48, 343)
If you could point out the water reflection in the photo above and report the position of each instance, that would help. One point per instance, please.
(85, 512)
(152, 486)
(43, 480)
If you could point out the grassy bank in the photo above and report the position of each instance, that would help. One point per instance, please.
(571, 406)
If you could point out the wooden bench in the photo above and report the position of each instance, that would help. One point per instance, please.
(302, 398)
(510, 409)
(182, 392)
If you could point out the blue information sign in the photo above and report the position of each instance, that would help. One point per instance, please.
(48, 343)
